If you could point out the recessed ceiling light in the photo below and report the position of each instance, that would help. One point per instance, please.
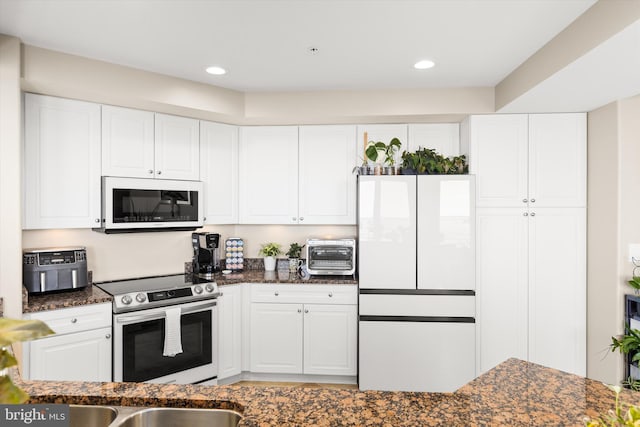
(216, 70)
(424, 64)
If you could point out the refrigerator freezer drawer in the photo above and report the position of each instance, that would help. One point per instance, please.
(418, 305)
(416, 356)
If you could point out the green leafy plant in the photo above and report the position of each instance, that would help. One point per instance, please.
(635, 283)
(628, 343)
(615, 417)
(428, 161)
(374, 149)
(270, 249)
(294, 250)
(12, 330)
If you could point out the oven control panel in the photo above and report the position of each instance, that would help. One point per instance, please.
(141, 300)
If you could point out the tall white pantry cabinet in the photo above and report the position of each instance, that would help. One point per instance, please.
(531, 238)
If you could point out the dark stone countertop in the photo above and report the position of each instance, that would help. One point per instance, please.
(515, 393)
(94, 295)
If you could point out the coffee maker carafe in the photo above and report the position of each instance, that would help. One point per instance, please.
(206, 252)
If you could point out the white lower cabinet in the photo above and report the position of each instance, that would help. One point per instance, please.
(79, 351)
(312, 331)
(276, 338)
(229, 331)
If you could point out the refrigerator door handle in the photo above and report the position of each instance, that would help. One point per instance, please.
(433, 319)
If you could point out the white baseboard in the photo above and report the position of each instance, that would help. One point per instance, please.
(298, 378)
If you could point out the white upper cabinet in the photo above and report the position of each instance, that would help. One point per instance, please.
(269, 175)
(327, 186)
(383, 133)
(61, 163)
(442, 137)
(219, 172)
(558, 160)
(142, 144)
(177, 148)
(498, 158)
(529, 160)
(127, 142)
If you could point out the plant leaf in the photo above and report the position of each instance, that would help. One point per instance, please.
(9, 393)
(6, 359)
(14, 330)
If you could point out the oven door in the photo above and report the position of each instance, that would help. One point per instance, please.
(139, 343)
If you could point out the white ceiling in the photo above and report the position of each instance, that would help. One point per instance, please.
(264, 44)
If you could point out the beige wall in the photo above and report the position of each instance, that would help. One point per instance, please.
(10, 177)
(613, 206)
(600, 22)
(120, 256)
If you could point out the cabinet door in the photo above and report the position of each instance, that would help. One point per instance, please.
(557, 160)
(442, 137)
(177, 148)
(446, 232)
(387, 232)
(557, 288)
(276, 338)
(330, 339)
(498, 158)
(501, 281)
(219, 172)
(327, 186)
(384, 133)
(269, 175)
(61, 163)
(230, 331)
(127, 142)
(81, 356)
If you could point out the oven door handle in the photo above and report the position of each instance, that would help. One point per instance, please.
(160, 315)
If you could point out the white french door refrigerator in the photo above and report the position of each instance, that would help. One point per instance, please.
(416, 282)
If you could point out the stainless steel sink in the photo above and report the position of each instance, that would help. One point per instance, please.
(166, 417)
(91, 415)
(126, 416)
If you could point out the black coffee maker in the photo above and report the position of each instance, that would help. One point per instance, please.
(206, 253)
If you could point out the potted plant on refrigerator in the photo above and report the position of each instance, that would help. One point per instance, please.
(376, 150)
(294, 257)
(270, 251)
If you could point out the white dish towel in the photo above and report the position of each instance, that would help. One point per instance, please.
(172, 337)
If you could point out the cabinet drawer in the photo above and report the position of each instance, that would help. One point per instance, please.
(75, 319)
(305, 294)
(418, 305)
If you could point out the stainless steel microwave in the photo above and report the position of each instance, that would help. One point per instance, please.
(141, 204)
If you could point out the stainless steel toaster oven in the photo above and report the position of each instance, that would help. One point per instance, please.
(331, 256)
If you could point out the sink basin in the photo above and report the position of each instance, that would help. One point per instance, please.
(94, 416)
(174, 417)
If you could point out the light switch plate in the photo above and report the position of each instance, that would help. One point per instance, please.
(634, 252)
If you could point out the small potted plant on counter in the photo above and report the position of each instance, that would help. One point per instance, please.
(270, 251)
(294, 257)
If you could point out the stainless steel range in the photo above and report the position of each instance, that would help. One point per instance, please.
(164, 329)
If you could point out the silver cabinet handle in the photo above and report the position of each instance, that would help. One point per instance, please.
(74, 320)
(204, 219)
(150, 171)
(293, 218)
(524, 200)
(330, 294)
(97, 219)
(533, 214)
(159, 172)
(108, 336)
(299, 310)
(301, 218)
(306, 310)
(533, 200)
(221, 294)
(525, 214)
(276, 293)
